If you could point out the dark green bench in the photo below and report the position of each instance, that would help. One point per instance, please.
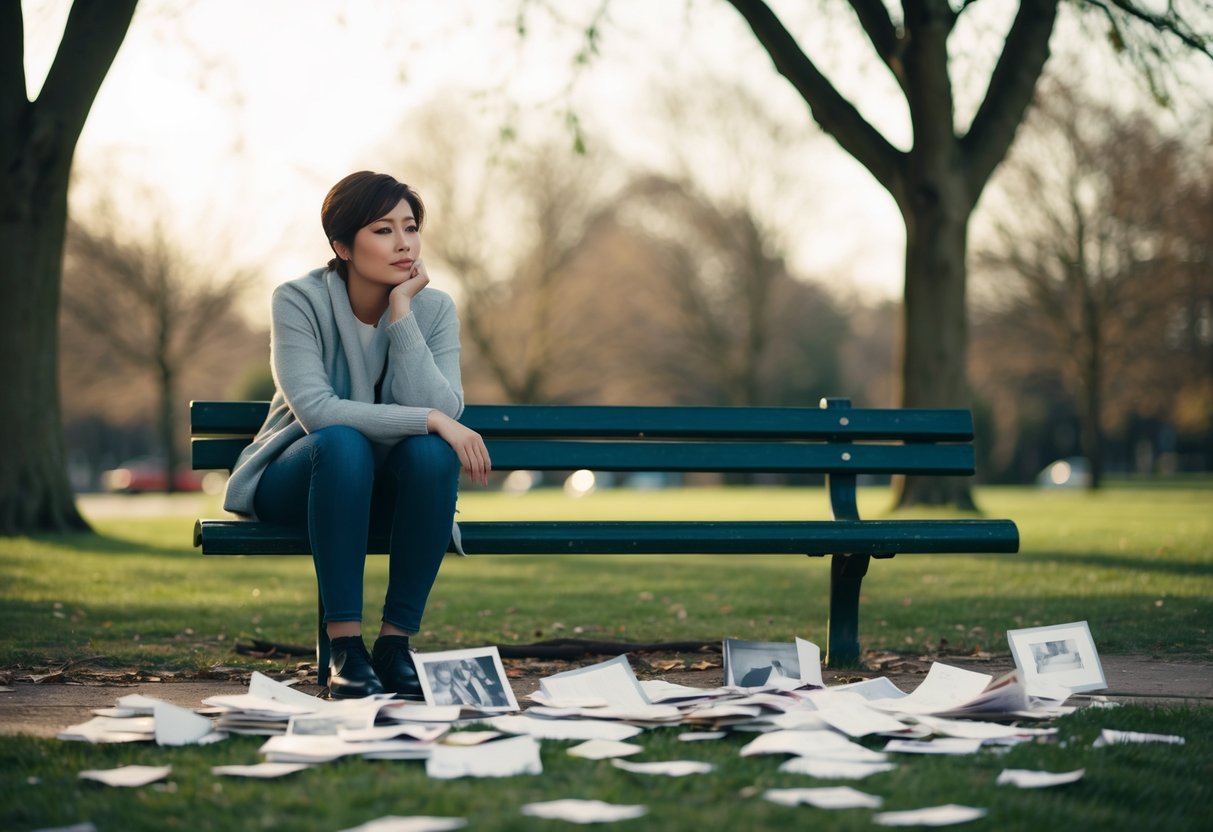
(838, 441)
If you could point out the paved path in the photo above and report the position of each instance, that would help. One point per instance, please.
(44, 710)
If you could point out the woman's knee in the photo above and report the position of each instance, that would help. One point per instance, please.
(427, 455)
(344, 448)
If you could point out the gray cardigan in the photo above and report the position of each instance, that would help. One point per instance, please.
(323, 377)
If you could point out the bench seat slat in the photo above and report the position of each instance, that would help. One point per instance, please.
(813, 537)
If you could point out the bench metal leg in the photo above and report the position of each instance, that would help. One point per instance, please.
(846, 576)
(322, 644)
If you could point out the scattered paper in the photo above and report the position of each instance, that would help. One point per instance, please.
(837, 797)
(408, 712)
(827, 769)
(179, 726)
(470, 738)
(858, 720)
(1110, 737)
(611, 680)
(1037, 779)
(605, 749)
(934, 816)
(583, 811)
(943, 745)
(670, 768)
(263, 771)
(702, 736)
(945, 688)
(104, 729)
(504, 758)
(820, 744)
(267, 688)
(564, 729)
(417, 823)
(127, 776)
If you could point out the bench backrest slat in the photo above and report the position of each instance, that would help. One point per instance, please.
(776, 440)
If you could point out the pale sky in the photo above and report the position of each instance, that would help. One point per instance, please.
(234, 117)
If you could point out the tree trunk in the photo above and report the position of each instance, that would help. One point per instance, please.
(168, 425)
(934, 324)
(37, 143)
(35, 493)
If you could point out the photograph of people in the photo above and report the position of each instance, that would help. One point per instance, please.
(365, 360)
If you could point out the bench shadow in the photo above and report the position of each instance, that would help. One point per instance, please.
(106, 544)
(1138, 564)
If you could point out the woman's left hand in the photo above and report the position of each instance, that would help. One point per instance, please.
(467, 444)
(403, 293)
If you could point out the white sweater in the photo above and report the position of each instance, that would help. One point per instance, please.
(323, 377)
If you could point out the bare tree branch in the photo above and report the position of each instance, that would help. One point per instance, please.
(886, 40)
(836, 115)
(1009, 93)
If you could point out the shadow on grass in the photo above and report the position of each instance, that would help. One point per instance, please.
(1136, 564)
(104, 544)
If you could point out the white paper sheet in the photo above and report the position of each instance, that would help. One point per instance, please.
(262, 706)
(583, 811)
(975, 729)
(417, 823)
(564, 729)
(611, 680)
(880, 687)
(179, 726)
(827, 769)
(933, 816)
(945, 688)
(1110, 737)
(1024, 779)
(943, 745)
(668, 768)
(504, 758)
(702, 736)
(837, 797)
(661, 691)
(809, 655)
(103, 729)
(821, 744)
(322, 748)
(858, 720)
(267, 688)
(413, 731)
(408, 712)
(466, 739)
(127, 776)
(262, 771)
(604, 749)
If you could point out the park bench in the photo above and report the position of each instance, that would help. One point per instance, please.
(839, 441)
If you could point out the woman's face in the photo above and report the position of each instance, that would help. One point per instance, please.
(385, 250)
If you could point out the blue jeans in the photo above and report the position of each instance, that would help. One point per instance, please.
(328, 479)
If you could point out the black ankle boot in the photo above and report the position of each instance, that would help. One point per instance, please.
(394, 663)
(351, 675)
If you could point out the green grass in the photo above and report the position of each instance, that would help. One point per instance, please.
(1144, 786)
(1136, 562)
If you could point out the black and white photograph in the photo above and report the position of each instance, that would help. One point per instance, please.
(1056, 656)
(751, 664)
(1062, 655)
(473, 678)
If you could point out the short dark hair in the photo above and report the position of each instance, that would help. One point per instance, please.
(357, 201)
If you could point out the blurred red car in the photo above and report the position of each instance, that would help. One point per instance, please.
(145, 474)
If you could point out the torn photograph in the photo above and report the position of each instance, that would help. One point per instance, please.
(473, 678)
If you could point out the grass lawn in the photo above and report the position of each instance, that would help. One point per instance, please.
(1135, 562)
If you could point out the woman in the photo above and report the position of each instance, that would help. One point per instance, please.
(366, 365)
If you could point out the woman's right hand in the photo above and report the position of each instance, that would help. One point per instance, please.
(467, 444)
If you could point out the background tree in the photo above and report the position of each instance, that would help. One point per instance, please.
(938, 180)
(507, 221)
(148, 306)
(37, 143)
(1091, 270)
